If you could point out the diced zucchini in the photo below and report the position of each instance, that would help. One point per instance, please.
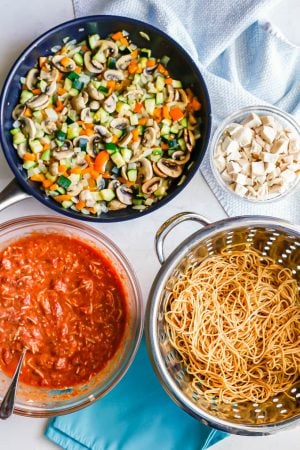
(35, 146)
(111, 63)
(134, 120)
(38, 115)
(160, 192)
(93, 40)
(25, 96)
(67, 84)
(182, 144)
(159, 98)
(174, 128)
(165, 130)
(167, 122)
(145, 52)
(126, 154)
(73, 92)
(100, 57)
(61, 190)
(78, 58)
(73, 75)
(137, 78)
(150, 105)
(107, 194)
(46, 155)
(117, 159)
(50, 177)
(64, 182)
(33, 171)
(138, 201)
(14, 131)
(132, 175)
(176, 83)
(160, 83)
(29, 165)
(73, 130)
(143, 62)
(111, 146)
(67, 204)
(42, 85)
(72, 117)
(103, 89)
(183, 122)
(77, 84)
(19, 138)
(122, 108)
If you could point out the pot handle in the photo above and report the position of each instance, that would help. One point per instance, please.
(12, 193)
(171, 223)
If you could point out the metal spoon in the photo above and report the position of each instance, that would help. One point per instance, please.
(8, 402)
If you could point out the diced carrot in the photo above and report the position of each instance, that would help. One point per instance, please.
(84, 48)
(143, 120)
(59, 106)
(38, 177)
(195, 104)
(62, 168)
(28, 112)
(161, 69)
(138, 107)
(135, 134)
(139, 70)
(114, 139)
(46, 146)
(65, 61)
(29, 157)
(168, 80)
(36, 91)
(76, 170)
(106, 175)
(94, 174)
(165, 112)
(133, 67)
(92, 210)
(86, 132)
(164, 146)
(117, 36)
(157, 114)
(88, 160)
(42, 60)
(134, 54)
(61, 91)
(151, 62)
(111, 84)
(127, 182)
(47, 183)
(176, 113)
(77, 69)
(62, 198)
(62, 50)
(124, 41)
(54, 187)
(59, 76)
(92, 183)
(80, 205)
(88, 125)
(101, 160)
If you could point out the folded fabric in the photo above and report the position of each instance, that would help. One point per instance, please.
(136, 415)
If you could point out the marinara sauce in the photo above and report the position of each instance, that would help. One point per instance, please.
(62, 300)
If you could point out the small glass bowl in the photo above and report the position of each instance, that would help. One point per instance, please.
(237, 117)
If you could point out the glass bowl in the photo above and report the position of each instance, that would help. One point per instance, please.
(43, 402)
(237, 117)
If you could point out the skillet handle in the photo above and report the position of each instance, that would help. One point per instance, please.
(171, 223)
(11, 194)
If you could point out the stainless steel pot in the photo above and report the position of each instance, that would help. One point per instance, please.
(274, 237)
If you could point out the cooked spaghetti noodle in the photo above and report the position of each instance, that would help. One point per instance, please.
(234, 319)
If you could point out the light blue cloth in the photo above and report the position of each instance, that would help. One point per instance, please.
(244, 62)
(136, 415)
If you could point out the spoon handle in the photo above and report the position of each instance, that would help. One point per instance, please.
(8, 402)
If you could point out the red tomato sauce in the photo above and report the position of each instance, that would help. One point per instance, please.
(62, 300)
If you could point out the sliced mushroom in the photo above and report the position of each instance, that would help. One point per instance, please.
(28, 127)
(189, 138)
(145, 172)
(151, 185)
(79, 102)
(110, 103)
(94, 105)
(75, 189)
(158, 172)
(115, 205)
(103, 131)
(113, 184)
(49, 126)
(49, 76)
(85, 115)
(120, 123)
(22, 149)
(38, 102)
(183, 96)
(80, 160)
(149, 137)
(62, 154)
(136, 146)
(51, 88)
(124, 194)
(18, 111)
(134, 93)
(86, 196)
(123, 62)
(143, 152)
(93, 92)
(171, 93)
(32, 78)
(94, 145)
(112, 74)
(149, 70)
(157, 129)
(180, 157)
(92, 65)
(124, 172)
(69, 67)
(108, 48)
(169, 167)
(53, 168)
(125, 139)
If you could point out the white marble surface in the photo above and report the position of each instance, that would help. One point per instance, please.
(20, 22)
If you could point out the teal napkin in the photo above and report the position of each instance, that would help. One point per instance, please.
(136, 415)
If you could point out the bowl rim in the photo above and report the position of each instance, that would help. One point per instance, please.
(27, 221)
(260, 109)
(151, 331)
(37, 193)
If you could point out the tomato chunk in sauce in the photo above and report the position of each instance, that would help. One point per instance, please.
(64, 301)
